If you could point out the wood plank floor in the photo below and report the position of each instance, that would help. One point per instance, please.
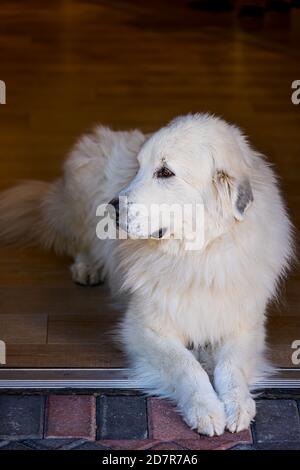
(70, 64)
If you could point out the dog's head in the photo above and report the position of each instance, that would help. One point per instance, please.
(196, 161)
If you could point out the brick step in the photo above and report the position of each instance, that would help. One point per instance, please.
(120, 421)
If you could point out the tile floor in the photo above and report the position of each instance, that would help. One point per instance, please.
(119, 420)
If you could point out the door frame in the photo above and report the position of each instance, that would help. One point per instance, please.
(117, 378)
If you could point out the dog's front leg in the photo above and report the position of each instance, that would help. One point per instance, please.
(237, 362)
(170, 370)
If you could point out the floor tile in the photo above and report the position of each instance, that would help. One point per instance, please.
(167, 446)
(130, 444)
(165, 424)
(15, 446)
(122, 417)
(21, 416)
(71, 416)
(279, 446)
(51, 444)
(277, 420)
(224, 442)
(90, 446)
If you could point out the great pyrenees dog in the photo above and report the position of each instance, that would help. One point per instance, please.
(194, 327)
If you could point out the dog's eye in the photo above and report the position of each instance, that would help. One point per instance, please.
(164, 172)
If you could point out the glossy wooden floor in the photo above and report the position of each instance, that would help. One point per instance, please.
(129, 64)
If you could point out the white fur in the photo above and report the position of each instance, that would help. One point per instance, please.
(194, 326)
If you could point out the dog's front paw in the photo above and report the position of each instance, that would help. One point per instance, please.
(86, 274)
(207, 417)
(239, 414)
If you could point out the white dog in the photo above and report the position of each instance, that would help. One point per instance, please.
(194, 325)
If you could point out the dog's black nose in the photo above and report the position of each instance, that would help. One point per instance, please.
(115, 204)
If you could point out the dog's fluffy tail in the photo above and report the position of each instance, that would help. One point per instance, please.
(35, 213)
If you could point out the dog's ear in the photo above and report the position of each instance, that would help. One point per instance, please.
(235, 195)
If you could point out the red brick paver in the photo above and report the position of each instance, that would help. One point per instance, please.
(165, 424)
(71, 416)
(129, 444)
(168, 446)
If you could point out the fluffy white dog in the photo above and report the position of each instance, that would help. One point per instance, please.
(194, 324)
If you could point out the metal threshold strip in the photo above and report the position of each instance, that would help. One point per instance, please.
(18, 378)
